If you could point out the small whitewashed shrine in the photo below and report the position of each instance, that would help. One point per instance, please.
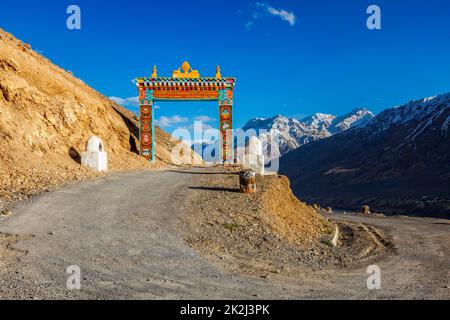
(95, 158)
(254, 159)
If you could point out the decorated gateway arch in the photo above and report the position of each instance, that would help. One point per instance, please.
(185, 85)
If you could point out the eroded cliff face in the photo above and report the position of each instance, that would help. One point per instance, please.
(46, 117)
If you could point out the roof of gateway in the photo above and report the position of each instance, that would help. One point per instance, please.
(185, 74)
(196, 80)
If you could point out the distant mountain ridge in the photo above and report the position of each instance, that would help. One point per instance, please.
(295, 133)
(398, 161)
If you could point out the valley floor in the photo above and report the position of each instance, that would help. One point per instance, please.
(127, 234)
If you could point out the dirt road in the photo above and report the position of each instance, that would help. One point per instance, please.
(123, 233)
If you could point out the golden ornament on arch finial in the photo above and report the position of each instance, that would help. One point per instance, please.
(155, 72)
(218, 75)
(185, 71)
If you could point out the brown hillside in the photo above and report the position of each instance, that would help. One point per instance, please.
(46, 117)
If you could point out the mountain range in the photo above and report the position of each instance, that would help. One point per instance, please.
(295, 133)
(397, 162)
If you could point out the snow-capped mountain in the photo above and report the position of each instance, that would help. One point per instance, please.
(320, 121)
(350, 120)
(424, 114)
(294, 133)
(397, 161)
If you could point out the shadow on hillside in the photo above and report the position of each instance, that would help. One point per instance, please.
(199, 172)
(442, 223)
(216, 189)
(75, 155)
(133, 127)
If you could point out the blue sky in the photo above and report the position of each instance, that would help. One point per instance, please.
(294, 57)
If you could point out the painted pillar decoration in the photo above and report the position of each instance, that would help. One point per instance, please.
(185, 85)
(226, 124)
(146, 129)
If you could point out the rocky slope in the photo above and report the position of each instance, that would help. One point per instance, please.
(248, 234)
(294, 133)
(397, 162)
(46, 117)
(270, 234)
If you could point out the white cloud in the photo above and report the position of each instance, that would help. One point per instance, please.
(208, 127)
(284, 15)
(126, 102)
(204, 119)
(165, 122)
(132, 102)
(204, 127)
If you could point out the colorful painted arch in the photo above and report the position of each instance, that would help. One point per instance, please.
(185, 85)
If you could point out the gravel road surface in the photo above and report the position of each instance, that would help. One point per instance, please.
(123, 233)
